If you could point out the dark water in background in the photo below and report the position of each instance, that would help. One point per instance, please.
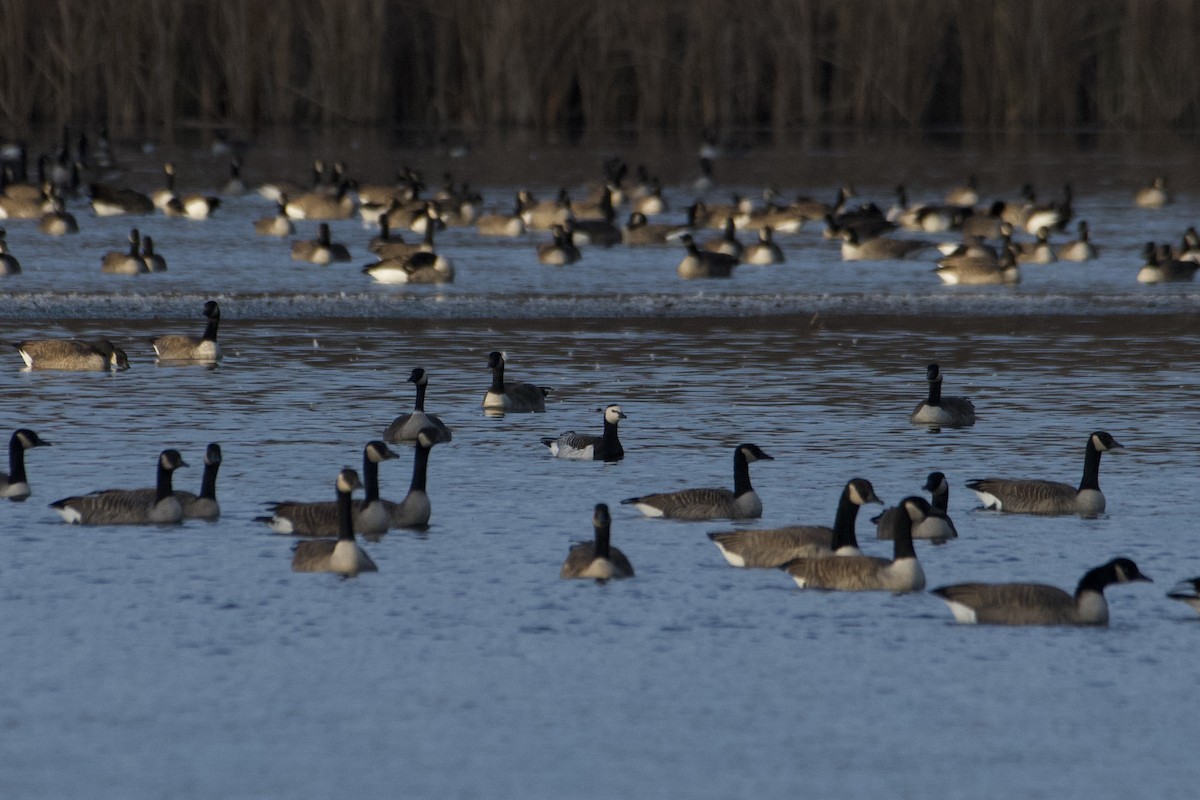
(191, 662)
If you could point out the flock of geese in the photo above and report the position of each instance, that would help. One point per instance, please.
(815, 556)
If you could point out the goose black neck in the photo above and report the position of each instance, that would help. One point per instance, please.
(420, 467)
(164, 488)
(208, 482)
(941, 501)
(345, 516)
(904, 541)
(602, 545)
(610, 445)
(420, 404)
(370, 479)
(935, 393)
(843, 522)
(1095, 580)
(210, 330)
(498, 378)
(16, 460)
(741, 474)
(1091, 467)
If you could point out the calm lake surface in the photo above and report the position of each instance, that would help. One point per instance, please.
(191, 662)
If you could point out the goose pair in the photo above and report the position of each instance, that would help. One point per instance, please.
(938, 411)
(710, 503)
(15, 485)
(74, 355)
(775, 547)
(322, 518)
(597, 559)
(342, 555)
(125, 262)
(178, 347)
(1036, 603)
(1028, 496)
(195, 506)
(937, 525)
(587, 446)
(511, 396)
(764, 251)
(129, 506)
(860, 573)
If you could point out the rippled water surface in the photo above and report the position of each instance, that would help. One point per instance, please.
(190, 662)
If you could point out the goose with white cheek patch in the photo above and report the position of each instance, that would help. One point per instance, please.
(772, 548)
(512, 396)
(177, 347)
(204, 505)
(1030, 496)
(590, 447)
(597, 559)
(704, 504)
(940, 411)
(128, 506)
(15, 485)
(404, 428)
(415, 509)
(322, 518)
(902, 573)
(1187, 591)
(699, 263)
(937, 525)
(1037, 603)
(342, 555)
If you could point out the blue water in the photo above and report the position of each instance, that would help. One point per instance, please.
(190, 662)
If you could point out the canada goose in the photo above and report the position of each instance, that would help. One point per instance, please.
(279, 224)
(414, 510)
(404, 428)
(1049, 497)
(420, 267)
(543, 215)
(979, 271)
(23, 207)
(590, 447)
(1080, 249)
(652, 201)
(111, 201)
(775, 547)
(878, 248)
(727, 242)
(1153, 196)
(703, 504)
(128, 507)
(117, 262)
(502, 224)
(699, 263)
(8, 262)
(320, 250)
(511, 396)
(1190, 249)
(202, 506)
(233, 186)
(428, 216)
(15, 485)
(1037, 603)
(967, 195)
(559, 252)
(321, 518)
(1187, 591)
(320, 205)
(985, 225)
(1039, 252)
(1054, 216)
(764, 251)
(638, 230)
(1164, 269)
(58, 221)
(162, 196)
(939, 411)
(394, 247)
(154, 262)
(780, 219)
(178, 347)
(902, 573)
(597, 559)
(192, 206)
(72, 354)
(868, 222)
(341, 555)
(386, 236)
(936, 526)
(969, 247)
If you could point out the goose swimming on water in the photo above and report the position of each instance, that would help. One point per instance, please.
(404, 428)
(415, 509)
(177, 347)
(128, 506)
(936, 526)
(597, 559)
(322, 518)
(75, 355)
(511, 396)
(196, 506)
(15, 485)
(942, 411)
(1029, 496)
(704, 504)
(587, 446)
(774, 547)
(1036, 603)
(341, 555)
